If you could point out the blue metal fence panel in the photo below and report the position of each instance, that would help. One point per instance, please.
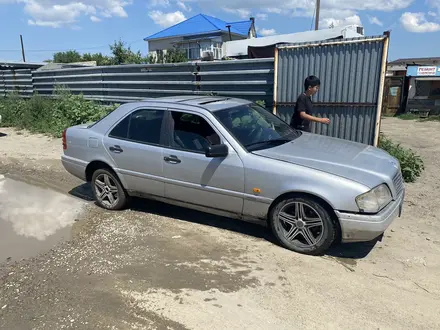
(17, 81)
(250, 79)
(350, 71)
(346, 122)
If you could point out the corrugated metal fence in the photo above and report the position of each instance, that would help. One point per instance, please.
(251, 79)
(352, 74)
(19, 81)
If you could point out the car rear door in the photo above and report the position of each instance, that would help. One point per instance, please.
(192, 177)
(136, 146)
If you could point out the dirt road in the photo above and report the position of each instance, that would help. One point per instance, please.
(161, 267)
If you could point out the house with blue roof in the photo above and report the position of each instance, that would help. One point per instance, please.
(200, 34)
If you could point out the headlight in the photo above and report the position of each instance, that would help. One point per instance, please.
(375, 199)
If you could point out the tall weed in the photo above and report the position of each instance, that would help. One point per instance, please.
(412, 164)
(50, 116)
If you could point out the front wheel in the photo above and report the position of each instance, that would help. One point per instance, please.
(108, 190)
(302, 225)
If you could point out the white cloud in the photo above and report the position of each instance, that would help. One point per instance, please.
(262, 17)
(166, 19)
(336, 11)
(65, 13)
(267, 32)
(95, 19)
(416, 22)
(325, 23)
(375, 20)
(183, 6)
(159, 3)
(431, 13)
(56, 15)
(242, 12)
(274, 10)
(433, 3)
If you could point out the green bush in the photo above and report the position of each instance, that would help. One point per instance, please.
(50, 116)
(411, 163)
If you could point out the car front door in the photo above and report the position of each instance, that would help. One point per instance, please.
(191, 177)
(135, 146)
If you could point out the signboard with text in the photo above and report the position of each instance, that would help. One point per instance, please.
(423, 71)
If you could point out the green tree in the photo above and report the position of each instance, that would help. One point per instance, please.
(124, 55)
(120, 54)
(67, 57)
(172, 55)
(98, 57)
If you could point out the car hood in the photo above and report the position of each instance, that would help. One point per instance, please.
(365, 164)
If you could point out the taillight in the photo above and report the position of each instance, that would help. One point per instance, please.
(64, 139)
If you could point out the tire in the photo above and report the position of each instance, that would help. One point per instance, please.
(311, 232)
(105, 185)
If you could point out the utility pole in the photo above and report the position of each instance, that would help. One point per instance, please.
(22, 48)
(318, 5)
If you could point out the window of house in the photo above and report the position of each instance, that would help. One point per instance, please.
(194, 51)
(192, 132)
(140, 126)
(205, 46)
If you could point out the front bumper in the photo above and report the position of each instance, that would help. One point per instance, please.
(362, 228)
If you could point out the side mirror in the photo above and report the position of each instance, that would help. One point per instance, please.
(218, 150)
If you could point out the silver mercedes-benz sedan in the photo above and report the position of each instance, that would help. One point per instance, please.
(233, 158)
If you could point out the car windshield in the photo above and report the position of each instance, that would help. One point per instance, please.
(255, 127)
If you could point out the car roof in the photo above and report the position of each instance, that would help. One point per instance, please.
(206, 103)
(210, 103)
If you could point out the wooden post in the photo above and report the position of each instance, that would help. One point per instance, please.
(381, 88)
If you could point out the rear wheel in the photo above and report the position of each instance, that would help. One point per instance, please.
(302, 225)
(108, 190)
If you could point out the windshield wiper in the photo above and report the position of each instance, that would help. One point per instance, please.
(269, 142)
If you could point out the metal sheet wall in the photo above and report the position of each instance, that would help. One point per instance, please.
(351, 73)
(347, 122)
(251, 79)
(18, 81)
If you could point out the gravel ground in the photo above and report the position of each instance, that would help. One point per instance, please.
(161, 267)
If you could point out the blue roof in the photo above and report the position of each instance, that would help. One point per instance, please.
(243, 27)
(201, 24)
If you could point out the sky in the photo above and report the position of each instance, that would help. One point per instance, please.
(48, 26)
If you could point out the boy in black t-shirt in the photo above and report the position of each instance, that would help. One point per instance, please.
(302, 116)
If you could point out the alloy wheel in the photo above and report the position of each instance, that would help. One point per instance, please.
(301, 224)
(106, 190)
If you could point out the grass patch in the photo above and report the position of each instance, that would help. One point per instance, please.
(50, 116)
(412, 164)
(411, 116)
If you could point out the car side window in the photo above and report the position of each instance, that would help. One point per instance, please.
(140, 126)
(120, 131)
(192, 133)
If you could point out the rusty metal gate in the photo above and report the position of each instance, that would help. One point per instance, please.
(352, 74)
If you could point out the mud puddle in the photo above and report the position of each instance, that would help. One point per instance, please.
(33, 219)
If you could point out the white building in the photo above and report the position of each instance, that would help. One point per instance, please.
(239, 48)
(200, 34)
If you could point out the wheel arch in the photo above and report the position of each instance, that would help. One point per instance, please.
(322, 201)
(96, 165)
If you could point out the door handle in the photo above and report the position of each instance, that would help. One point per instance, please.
(172, 159)
(116, 149)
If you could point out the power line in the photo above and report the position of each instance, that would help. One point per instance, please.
(65, 50)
